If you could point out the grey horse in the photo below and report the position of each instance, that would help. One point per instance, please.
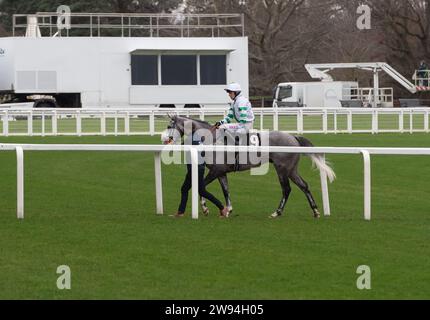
(286, 164)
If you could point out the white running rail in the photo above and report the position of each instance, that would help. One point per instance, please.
(152, 121)
(158, 149)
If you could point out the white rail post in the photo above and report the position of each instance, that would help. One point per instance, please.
(411, 122)
(152, 124)
(30, 124)
(54, 123)
(324, 191)
(43, 124)
(79, 123)
(158, 183)
(116, 123)
(349, 120)
(127, 123)
(335, 121)
(195, 182)
(261, 120)
(401, 121)
(375, 121)
(367, 185)
(6, 124)
(426, 121)
(325, 121)
(300, 124)
(20, 182)
(103, 124)
(276, 120)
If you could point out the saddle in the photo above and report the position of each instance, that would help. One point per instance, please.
(250, 139)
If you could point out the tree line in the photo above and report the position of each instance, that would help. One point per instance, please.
(286, 34)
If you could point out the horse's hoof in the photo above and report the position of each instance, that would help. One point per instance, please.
(274, 215)
(317, 215)
(230, 209)
(206, 212)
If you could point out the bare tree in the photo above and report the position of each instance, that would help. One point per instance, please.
(404, 29)
(3, 32)
(286, 34)
(345, 42)
(405, 25)
(283, 36)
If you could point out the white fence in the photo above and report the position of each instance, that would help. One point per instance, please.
(157, 149)
(81, 122)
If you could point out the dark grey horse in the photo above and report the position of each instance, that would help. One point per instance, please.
(286, 164)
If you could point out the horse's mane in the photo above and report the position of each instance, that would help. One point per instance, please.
(196, 120)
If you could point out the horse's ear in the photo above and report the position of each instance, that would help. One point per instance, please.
(171, 116)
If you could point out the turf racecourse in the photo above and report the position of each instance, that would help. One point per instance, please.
(95, 212)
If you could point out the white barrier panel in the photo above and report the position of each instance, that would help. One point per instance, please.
(367, 185)
(158, 183)
(324, 191)
(416, 118)
(195, 183)
(20, 182)
(366, 152)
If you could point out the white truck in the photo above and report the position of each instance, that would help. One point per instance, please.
(328, 93)
(314, 94)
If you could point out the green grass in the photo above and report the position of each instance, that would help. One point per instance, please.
(95, 212)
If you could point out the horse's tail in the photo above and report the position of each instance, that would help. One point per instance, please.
(317, 159)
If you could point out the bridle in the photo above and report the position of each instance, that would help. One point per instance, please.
(171, 128)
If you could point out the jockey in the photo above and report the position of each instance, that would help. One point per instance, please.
(240, 110)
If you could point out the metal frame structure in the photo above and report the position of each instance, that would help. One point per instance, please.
(422, 82)
(95, 23)
(320, 71)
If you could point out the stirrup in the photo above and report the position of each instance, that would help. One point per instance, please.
(236, 162)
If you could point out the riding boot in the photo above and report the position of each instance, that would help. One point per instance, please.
(236, 164)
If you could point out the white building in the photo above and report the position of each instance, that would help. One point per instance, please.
(126, 70)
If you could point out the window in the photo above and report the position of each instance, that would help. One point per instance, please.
(144, 70)
(213, 69)
(179, 69)
(285, 92)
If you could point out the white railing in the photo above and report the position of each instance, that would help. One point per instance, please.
(133, 24)
(158, 149)
(366, 95)
(422, 78)
(152, 121)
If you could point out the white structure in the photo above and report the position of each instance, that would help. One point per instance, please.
(329, 93)
(314, 94)
(136, 65)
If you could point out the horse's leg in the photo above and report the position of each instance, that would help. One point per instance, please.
(208, 180)
(224, 186)
(286, 190)
(295, 177)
